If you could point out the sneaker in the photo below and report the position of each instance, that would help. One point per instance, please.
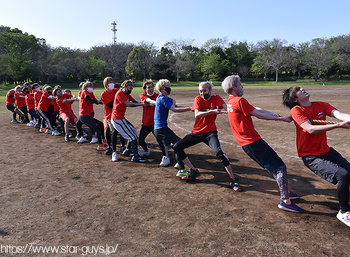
(127, 152)
(70, 135)
(93, 140)
(48, 131)
(143, 152)
(114, 157)
(30, 124)
(43, 130)
(66, 138)
(14, 121)
(344, 217)
(293, 195)
(122, 149)
(235, 185)
(109, 151)
(101, 148)
(84, 134)
(193, 174)
(81, 140)
(55, 133)
(182, 173)
(292, 207)
(165, 161)
(137, 158)
(177, 166)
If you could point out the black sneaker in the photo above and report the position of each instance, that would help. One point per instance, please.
(122, 149)
(234, 184)
(137, 158)
(66, 138)
(193, 174)
(109, 151)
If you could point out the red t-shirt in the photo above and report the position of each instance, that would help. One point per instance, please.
(241, 121)
(207, 123)
(30, 101)
(311, 144)
(119, 107)
(10, 98)
(148, 111)
(45, 102)
(20, 101)
(107, 97)
(86, 108)
(37, 96)
(65, 107)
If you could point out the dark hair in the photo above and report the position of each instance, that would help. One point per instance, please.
(34, 85)
(289, 96)
(55, 91)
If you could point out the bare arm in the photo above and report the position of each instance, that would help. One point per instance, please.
(340, 116)
(266, 115)
(132, 104)
(180, 109)
(314, 129)
(267, 112)
(151, 102)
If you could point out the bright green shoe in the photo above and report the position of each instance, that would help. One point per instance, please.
(177, 166)
(182, 173)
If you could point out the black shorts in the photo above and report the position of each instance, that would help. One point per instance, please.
(264, 155)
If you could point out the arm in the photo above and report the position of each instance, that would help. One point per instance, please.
(134, 104)
(149, 101)
(92, 101)
(314, 129)
(340, 116)
(200, 114)
(267, 112)
(266, 115)
(180, 109)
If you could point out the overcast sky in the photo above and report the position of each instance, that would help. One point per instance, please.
(83, 24)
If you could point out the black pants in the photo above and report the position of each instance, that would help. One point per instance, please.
(33, 114)
(144, 132)
(13, 110)
(94, 125)
(335, 169)
(211, 139)
(47, 117)
(24, 110)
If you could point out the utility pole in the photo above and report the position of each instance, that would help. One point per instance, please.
(114, 32)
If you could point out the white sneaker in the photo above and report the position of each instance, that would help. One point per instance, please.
(48, 131)
(81, 140)
(144, 153)
(84, 134)
(165, 161)
(344, 217)
(56, 133)
(30, 124)
(114, 157)
(93, 140)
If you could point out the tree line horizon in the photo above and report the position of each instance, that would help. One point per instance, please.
(24, 57)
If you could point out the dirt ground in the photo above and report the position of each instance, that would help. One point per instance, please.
(57, 193)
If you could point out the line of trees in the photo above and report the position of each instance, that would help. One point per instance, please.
(24, 57)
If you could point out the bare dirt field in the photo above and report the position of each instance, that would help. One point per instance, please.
(65, 195)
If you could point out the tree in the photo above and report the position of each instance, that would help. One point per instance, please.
(141, 60)
(341, 49)
(318, 56)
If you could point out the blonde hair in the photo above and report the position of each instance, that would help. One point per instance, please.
(207, 84)
(161, 83)
(230, 82)
(106, 81)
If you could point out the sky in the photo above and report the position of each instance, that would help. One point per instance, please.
(84, 24)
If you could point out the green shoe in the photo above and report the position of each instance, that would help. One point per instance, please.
(182, 173)
(177, 166)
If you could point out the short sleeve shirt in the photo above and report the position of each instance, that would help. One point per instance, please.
(65, 107)
(86, 108)
(107, 97)
(207, 123)
(163, 104)
(119, 106)
(241, 122)
(311, 144)
(148, 111)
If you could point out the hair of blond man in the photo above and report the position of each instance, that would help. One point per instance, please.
(162, 83)
(207, 84)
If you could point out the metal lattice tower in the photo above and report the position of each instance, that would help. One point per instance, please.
(114, 32)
